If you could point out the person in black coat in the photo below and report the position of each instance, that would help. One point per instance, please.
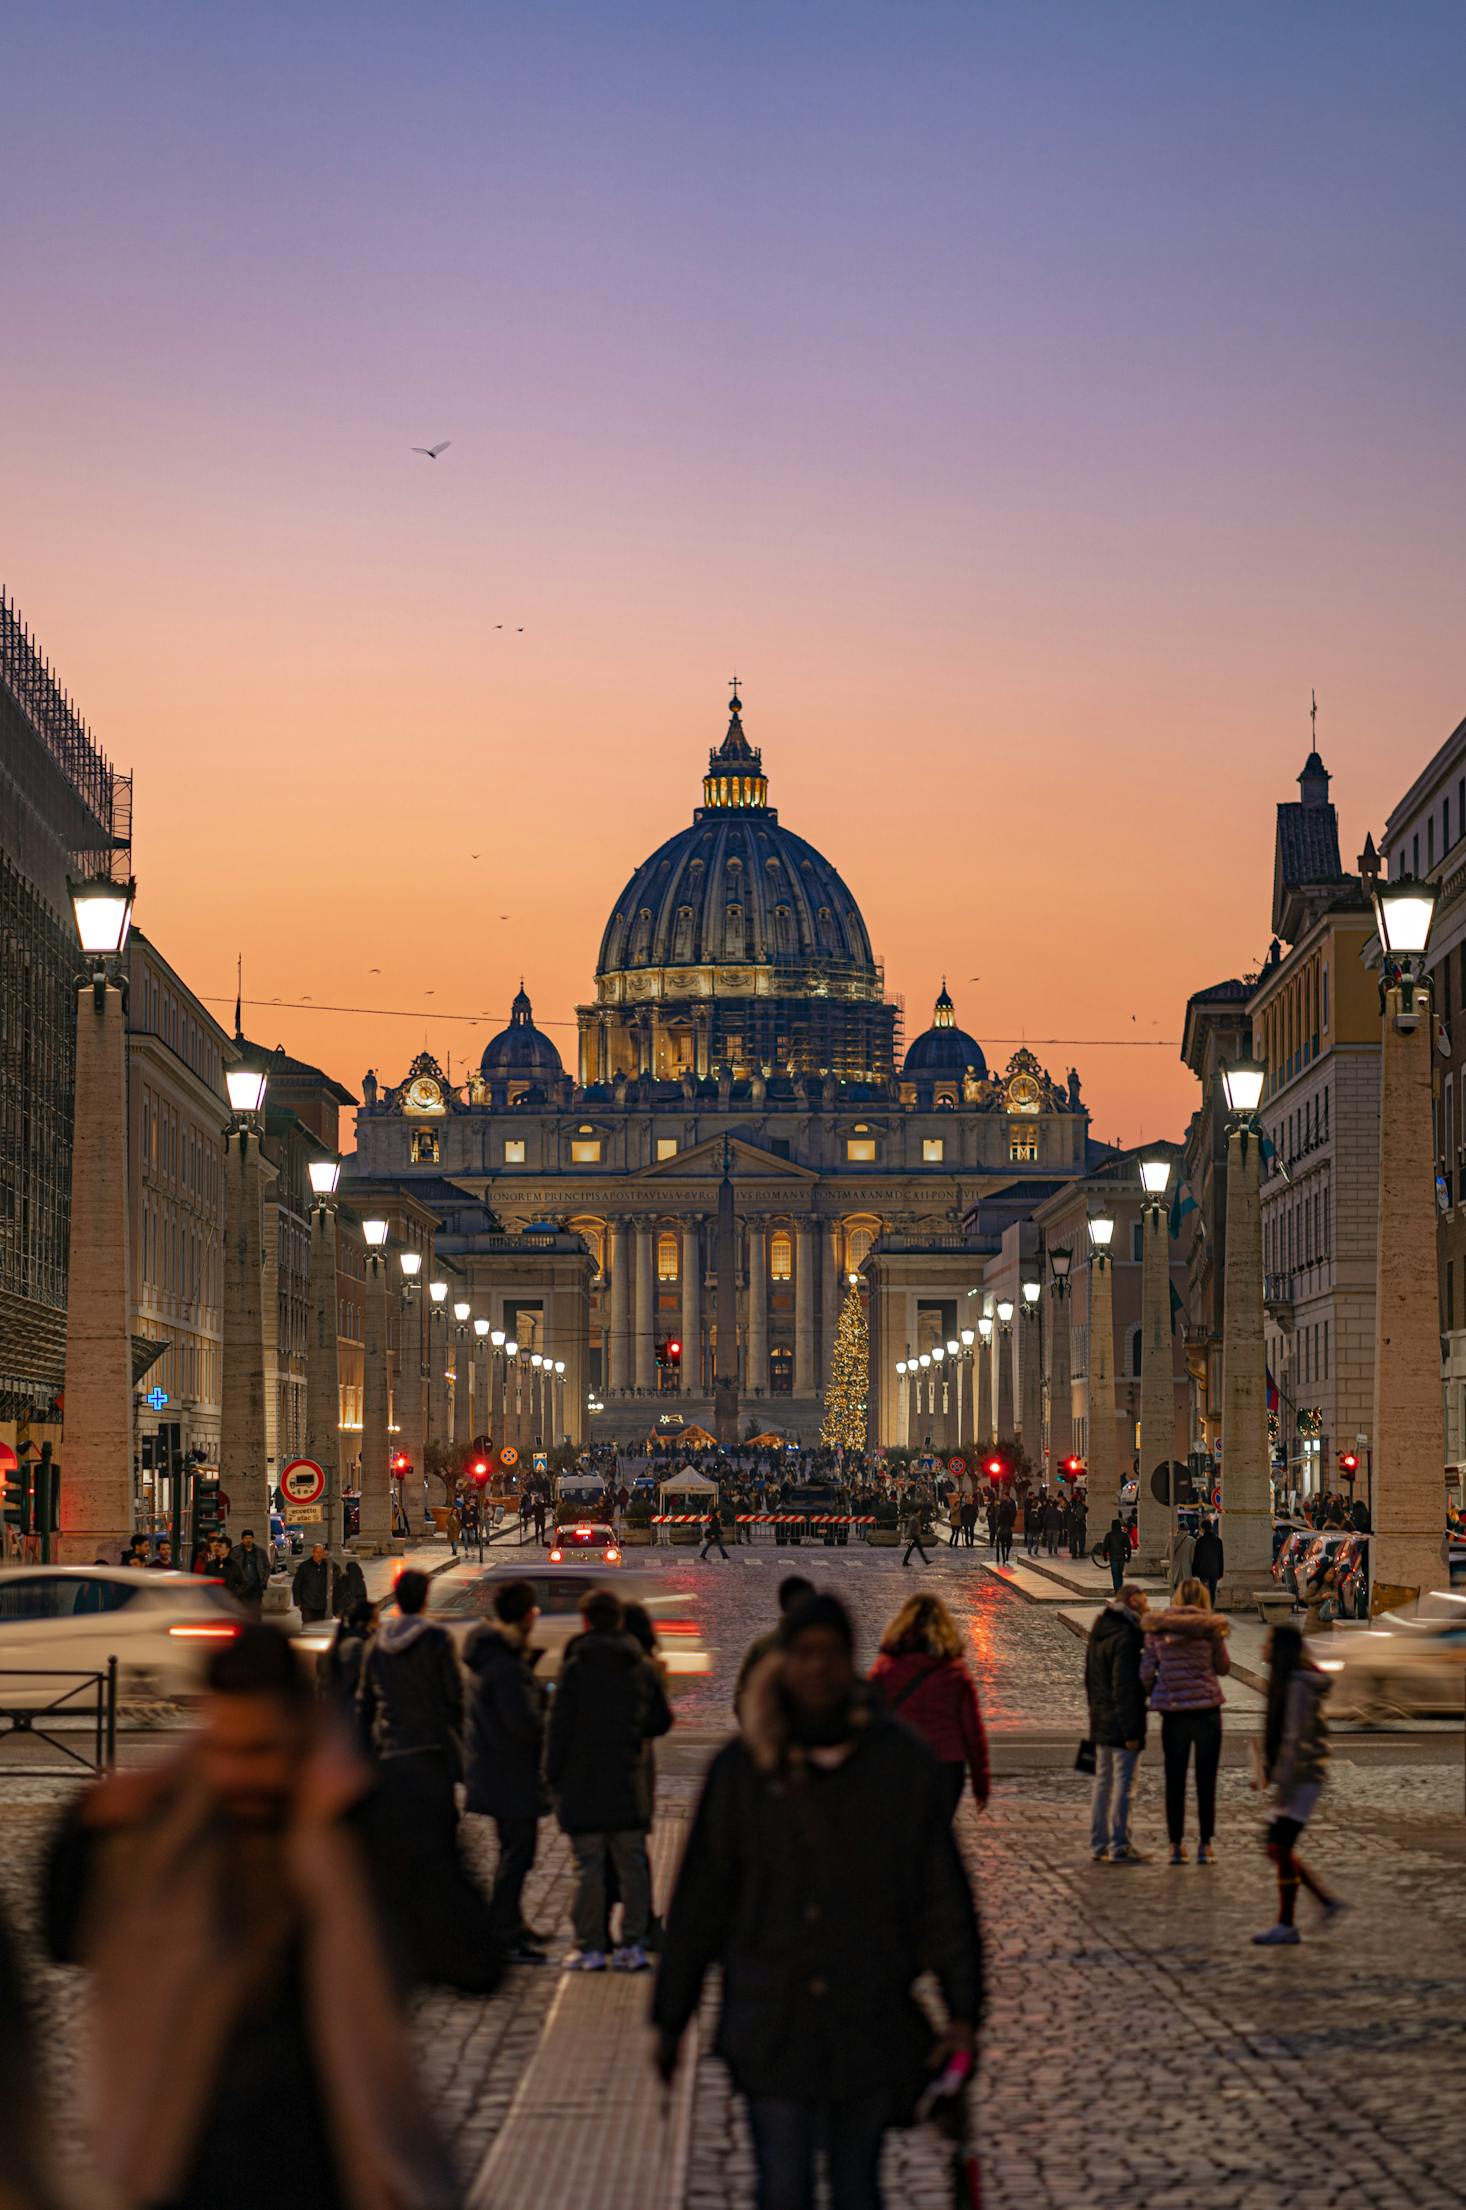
(350, 1588)
(247, 1573)
(313, 1586)
(1116, 1699)
(410, 1707)
(506, 1743)
(609, 1704)
(821, 1874)
(1208, 1560)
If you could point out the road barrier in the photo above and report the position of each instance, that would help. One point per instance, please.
(33, 1720)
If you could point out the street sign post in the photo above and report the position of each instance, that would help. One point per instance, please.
(302, 1483)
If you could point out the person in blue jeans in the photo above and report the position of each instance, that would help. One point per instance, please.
(1116, 1699)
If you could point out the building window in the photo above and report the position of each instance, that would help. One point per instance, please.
(666, 1147)
(584, 1151)
(781, 1255)
(857, 1248)
(514, 1151)
(861, 1150)
(1023, 1146)
(667, 1257)
(1137, 1241)
(781, 1371)
(424, 1147)
(933, 1150)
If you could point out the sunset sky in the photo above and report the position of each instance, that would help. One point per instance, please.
(1031, 403)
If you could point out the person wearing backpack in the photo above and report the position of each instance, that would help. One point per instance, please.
(921, 1675)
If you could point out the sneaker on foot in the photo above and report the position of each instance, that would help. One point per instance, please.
(523, 1954)
(1332, 1908)
(1099, 1856)
(1276, 1937)
(632, 1957)
(586, 1960)
(1207, 1853)
(1128, 1854)
(1178, 1855)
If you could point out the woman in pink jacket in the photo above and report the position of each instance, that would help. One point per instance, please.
(1182, 1665)
(922, 1677)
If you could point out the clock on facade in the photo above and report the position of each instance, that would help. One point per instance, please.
(424, 1095)
(1024, 1094)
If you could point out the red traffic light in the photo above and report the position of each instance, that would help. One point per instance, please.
(674, 1352)
(481, 1470)
(1348, 1462)
(996, 1469)
(401, 1463)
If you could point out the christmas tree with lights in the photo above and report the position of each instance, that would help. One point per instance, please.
(843, 1425)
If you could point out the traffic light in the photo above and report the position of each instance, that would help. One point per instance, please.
(480, 1470)
(46, 1507)
(18, 1495)
(995, 1469)
(674, 1351)
(1071, 1469)
(401, 1463)
(1348, 1464)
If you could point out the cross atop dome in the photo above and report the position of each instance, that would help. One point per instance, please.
(729, 783)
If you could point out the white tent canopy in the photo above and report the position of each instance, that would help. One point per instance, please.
(687, 1484)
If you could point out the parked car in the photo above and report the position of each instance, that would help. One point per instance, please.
(461, 1604)
(1407, 1664)
(159, 1626)
(585, 1535)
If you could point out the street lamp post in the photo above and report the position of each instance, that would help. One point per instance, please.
(411, 1416)
(985, 1429)
(1060, 1383)
(483, 1388)
(903, 1404)
(1409, 1438)
(438, 1432)
(322, 1362)
(1156, 1517)
(1003, 1393)
(499, 1390)
(243, 1464)
(559, 1424)
(461, 1411)
(1246, 1455)
(511, 1394)
(375, 1522)
(941, 1408)
(966, 1408)
(96, 1499)
(1103, 1453)
(1030, 1371)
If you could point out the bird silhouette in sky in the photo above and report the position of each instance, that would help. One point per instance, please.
(473, 855)
(431, 452)
(430, 993)
(974, 978)
(505, 916)
(374, 970)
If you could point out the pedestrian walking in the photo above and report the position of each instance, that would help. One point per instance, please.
(1116, 1699)
(1208, 1558)
(350, 1589)
(1116, 1549)
(410, 1703)
(925, 1683)
(1053, 1525)
(1294, 1764)
(609, 1702)
(1033, 1520)
(1182, 1665)
(312, 1586)
(918, 1527)
(232, 1906)
(537, 1511)
(1007, 1516)
(453, 1526)
(713, 1533)
(1183, 1549)
(247, 1573)
(506, 1740)
(338, 1669)
(822, 1877)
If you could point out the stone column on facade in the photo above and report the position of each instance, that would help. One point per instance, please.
(97, 1442)
(1247, 1525)
(1103, 1455)
(831, 1298)
(1003, 1391)
(376, 1500)
(1409, 1433)
(691, 1270)
(983, 1356)
(323, 1375)
(644, 1323)
(273, 1350)
(440, 1434)
(804, 1265)
(243, 1474)
(619, 1262)
(756, 1362)
(411, 1424)
(1157, 1387)
(1061, 1386)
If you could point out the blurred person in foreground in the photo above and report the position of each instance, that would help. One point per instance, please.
(25, 2177)
(792, 1590)
(822, 1876)
(921, 1675)
(252, 1914)
(1294, 1764)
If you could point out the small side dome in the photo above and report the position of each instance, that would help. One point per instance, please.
(944, 1048)
(521, 1050)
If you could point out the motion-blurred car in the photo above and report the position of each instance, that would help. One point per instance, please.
(461, 1605)
(159, 1626)
(579, 1537)
(1290, 1555)
(1406, 1665)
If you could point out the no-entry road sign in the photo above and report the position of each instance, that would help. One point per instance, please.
(303, 1482)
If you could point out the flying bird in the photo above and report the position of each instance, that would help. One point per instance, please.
(430, 993)
(432, 451)
(374, 970)
(505, 916)
(498, 625)
(473, 855)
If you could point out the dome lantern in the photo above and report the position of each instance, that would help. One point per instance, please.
(735, 778)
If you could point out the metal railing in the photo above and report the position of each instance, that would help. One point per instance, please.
(34, 1721)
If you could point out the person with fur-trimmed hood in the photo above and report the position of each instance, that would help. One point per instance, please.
(822, 1876)
(1182, 1665)
(1116, 1700)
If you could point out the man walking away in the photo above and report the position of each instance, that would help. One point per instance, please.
(1209, 1559)
(713, 1533)
(821, 1875)
(1116, 1701)
(1117, 1551)
(311, 1587)
(1182, 1551)
(410, 1704)
(609, 1704)
(506, 1740)
(247, 1575)
(1033, 1519)
(918, 1527)
(1053, 1525)
(1007, 1516)
(792, 1590)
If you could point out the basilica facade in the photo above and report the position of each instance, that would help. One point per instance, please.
(739, 1024)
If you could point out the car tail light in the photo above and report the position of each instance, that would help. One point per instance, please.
(676, 1626)
(613, 1557)
(556, 1556)
(222, 1631)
